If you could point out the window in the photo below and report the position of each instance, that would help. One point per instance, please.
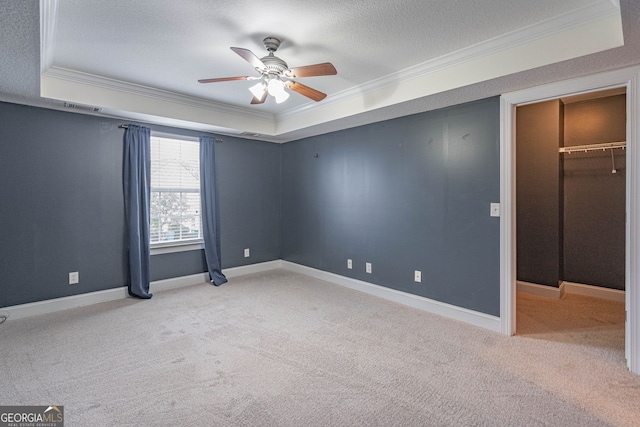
(175, 191)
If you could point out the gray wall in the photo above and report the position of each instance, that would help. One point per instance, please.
(594, 198)
(407, 194)
(571, 208)
(61, 205)
(539, 133)
(249, 176)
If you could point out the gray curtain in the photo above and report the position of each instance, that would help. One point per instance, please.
(136, 179)
(210, 212)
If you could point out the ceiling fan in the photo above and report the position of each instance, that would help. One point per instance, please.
(276, 75)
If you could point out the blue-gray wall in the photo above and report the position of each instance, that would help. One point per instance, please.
(249, 174)
(407, 194)
(539, 189)
(61, 205)
(571, 208)
(595, 198)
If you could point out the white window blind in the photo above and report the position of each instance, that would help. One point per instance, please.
(175, 191)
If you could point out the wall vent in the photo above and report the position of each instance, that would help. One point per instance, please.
(82, 107)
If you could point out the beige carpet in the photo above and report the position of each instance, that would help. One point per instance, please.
(281, 349)
(574, 319)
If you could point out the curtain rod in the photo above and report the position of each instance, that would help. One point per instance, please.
(127, 127)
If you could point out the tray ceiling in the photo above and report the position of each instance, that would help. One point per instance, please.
(141, 59)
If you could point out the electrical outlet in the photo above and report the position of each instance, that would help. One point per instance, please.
(74, 278)
(349, 264)
(247, 253)
(494, 209)
(368, 267)
(417, 276)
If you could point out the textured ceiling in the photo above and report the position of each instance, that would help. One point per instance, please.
(166, 46)
(170, 45)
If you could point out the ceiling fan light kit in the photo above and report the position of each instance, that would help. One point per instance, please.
(275, 87)
(257, 90)
(276, 75)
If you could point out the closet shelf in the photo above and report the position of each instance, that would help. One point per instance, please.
(592, 147)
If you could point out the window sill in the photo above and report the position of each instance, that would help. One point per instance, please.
(168, 248)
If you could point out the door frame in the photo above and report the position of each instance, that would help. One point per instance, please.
(628, 78)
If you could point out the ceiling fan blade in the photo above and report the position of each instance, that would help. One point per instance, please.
(324, 69)
(306, 91)
(223, 79)
(260, 100)
(250, 57)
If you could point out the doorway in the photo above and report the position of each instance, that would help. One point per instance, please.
(570, 220)
(627, 79)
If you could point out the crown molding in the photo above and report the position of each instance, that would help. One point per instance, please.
(110, 84)
(48, 19)
(598, 24)
(584, 16)
(65, 85)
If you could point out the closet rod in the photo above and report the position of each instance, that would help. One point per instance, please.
(593, 147)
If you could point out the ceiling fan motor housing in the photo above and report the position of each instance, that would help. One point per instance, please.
(274, 64)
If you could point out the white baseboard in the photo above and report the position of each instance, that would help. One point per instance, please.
(178, 282)
(81, 300)
(64, 303)
(541, 290)
(194, 279)
(593, 291)
(446, 310)
(571, 288)
(250, 269)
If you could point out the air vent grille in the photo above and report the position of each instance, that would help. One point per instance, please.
(82, 107)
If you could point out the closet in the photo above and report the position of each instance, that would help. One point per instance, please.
(570, 190)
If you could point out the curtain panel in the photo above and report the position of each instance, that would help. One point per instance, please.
(136, 182)
(210, 211)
